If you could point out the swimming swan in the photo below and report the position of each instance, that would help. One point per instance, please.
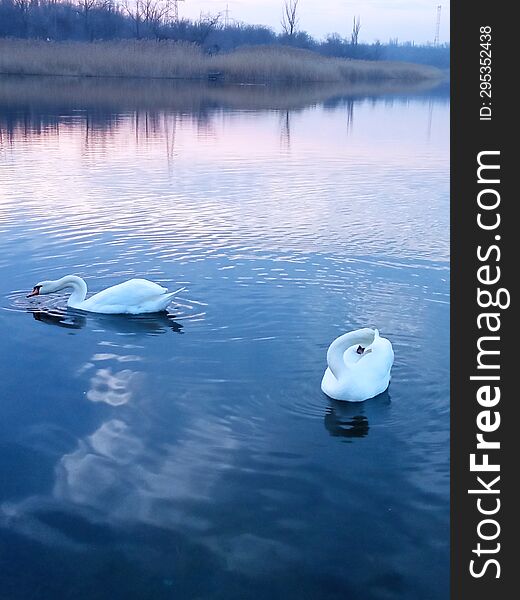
(359, 364)
(134, 297)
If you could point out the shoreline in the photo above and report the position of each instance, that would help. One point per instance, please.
(176, 94)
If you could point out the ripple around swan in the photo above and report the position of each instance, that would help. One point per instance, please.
(53, 310)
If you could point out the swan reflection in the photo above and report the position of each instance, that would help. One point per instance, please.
(60, 319)
(149, 324)
(351, 419)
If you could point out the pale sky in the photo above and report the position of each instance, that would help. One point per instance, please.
(380, 19)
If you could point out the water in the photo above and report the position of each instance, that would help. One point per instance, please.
(192, 455)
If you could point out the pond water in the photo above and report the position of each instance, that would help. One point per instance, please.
(192, 454)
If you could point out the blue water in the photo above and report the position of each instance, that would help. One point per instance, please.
(192, 455)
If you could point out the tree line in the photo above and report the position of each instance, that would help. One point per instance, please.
(92, 20)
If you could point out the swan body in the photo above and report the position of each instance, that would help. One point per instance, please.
(134, 297)
(359, 364)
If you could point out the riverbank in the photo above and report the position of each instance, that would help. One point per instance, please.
(170, 60)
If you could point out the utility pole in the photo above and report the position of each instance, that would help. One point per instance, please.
(437, 26)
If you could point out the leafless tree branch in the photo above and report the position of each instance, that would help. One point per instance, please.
(356, 26)
(290, 17)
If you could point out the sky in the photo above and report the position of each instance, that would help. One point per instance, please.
(407, 20)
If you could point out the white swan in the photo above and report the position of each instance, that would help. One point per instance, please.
(359, 364)
(133, 297)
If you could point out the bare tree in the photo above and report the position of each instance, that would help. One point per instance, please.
(85, 8)
(135, 11)
(290, 17)
(356, 26)
(155, 13)
(106, 5)
(23, 8)
(147, 14)
(205, 25)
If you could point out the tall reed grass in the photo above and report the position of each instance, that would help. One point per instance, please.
(187, 61)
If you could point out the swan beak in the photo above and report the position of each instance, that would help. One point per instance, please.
(35, 292)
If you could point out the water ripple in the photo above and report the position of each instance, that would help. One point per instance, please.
(206, 451)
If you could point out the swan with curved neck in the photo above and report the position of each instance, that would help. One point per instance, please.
(135, 296)
(359, 365)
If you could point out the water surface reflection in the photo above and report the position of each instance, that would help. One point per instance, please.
(136, 463)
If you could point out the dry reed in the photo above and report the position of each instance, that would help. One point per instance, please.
(186, 61)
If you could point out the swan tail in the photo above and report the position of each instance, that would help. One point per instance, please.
(172, 294)
(168, 297)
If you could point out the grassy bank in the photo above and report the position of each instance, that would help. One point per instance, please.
(185, 61)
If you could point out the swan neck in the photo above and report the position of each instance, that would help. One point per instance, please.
(336, 351)
(79, 289)
(335, 355)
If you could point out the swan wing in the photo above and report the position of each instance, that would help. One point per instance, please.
(126, 295)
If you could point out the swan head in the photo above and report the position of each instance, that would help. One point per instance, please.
(43, 287)
(79, 288)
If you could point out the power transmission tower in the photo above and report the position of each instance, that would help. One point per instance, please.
(175, 7)
(437, 26)
(226, 15)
